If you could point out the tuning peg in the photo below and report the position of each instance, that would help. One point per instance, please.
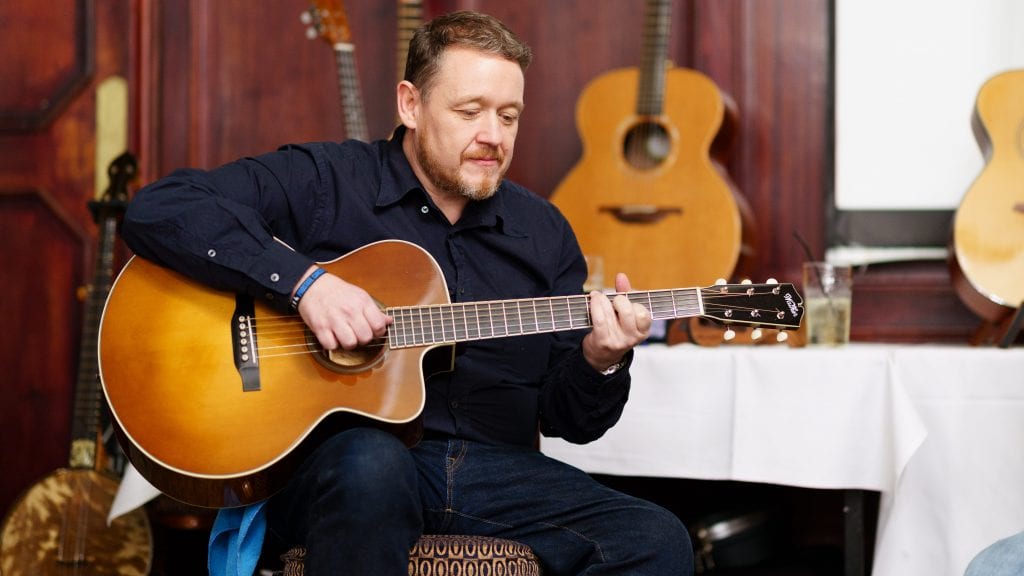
(782, 336)
(729, 334)
(771, 281)
(746, 281)
(306, 18)
(720, 282)
(756, 334)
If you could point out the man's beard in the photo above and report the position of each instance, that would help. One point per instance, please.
(449, 181)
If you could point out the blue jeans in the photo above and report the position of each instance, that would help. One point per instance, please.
(1003, 558)
(362, 500)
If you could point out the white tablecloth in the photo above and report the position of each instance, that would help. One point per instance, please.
(939, 430)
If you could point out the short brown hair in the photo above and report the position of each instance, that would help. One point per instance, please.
(465, 29)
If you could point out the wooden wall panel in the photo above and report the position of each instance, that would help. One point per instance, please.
(47, 236)
(42, 83)
(771, 58)
(43, 251)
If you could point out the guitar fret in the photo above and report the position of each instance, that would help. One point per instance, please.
(568, 313)
(476, 319)
(413, 335)
(504, 318)
(464, 309)
(394, 329)
(442, 323)
(519, 318)
(531, 317)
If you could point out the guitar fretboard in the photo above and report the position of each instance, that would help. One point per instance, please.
(657, 23)
(450, 323)
(348, 85)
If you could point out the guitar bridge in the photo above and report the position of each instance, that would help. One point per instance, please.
(243, 343)
(640, 213)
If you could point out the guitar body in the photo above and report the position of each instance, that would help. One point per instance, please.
(168, 370)
(218, 399)
(59, 528)
(988, 229)
(669, 222)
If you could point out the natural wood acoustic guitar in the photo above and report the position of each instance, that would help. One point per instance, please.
(647, 195)
(987, 253)
(59, 526)
(410, 16)
(235, 393)
(327, 20)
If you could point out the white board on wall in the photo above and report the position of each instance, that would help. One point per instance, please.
(907, 75)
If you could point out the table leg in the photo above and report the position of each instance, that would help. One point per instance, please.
(853, 528)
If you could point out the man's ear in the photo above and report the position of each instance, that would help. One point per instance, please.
(408, 97)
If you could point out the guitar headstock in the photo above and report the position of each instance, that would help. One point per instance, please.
(769, 304)
(326, 19)
(711, 333)
(114, 200)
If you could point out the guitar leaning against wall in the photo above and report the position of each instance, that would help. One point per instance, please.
(987, 253)
(647, 195)
(327, 20)
(59, 526)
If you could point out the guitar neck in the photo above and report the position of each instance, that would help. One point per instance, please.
(657, 22)
(348, 84)
(461, 322)
(410, 16)
(448, 324)
(85, 422)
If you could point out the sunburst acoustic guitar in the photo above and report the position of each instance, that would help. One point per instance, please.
(987, 253)
(59, 526)
(647, 194)
(236, 393)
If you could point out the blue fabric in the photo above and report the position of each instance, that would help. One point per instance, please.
(1003, 558)
(236, 540)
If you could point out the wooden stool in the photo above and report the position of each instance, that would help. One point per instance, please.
(450, 554)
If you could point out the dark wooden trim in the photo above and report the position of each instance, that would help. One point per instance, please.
(891, 228)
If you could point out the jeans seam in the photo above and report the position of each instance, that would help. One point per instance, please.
(596, 544)
(451, 463)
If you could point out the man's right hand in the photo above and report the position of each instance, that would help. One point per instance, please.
(341, 315)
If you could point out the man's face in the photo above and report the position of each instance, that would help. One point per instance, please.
(466, 126)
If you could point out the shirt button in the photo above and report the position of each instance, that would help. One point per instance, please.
(424, 209)
(274, 277)
(454, 404)
(269, 295)
(211, 252)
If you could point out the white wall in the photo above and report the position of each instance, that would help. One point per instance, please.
(907, 75)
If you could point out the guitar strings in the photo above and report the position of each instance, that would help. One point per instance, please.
(287, 335)
(74, 523)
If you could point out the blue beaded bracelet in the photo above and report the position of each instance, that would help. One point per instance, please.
(305, 286)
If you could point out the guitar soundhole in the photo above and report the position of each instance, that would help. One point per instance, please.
(647, 145)
(348, 361)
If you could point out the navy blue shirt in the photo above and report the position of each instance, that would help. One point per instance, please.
(257, 224)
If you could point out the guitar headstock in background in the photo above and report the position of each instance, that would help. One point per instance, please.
(326, 19)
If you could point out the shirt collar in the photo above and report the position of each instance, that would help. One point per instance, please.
(399, 180)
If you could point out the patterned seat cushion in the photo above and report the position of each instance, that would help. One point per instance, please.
(451, 554)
